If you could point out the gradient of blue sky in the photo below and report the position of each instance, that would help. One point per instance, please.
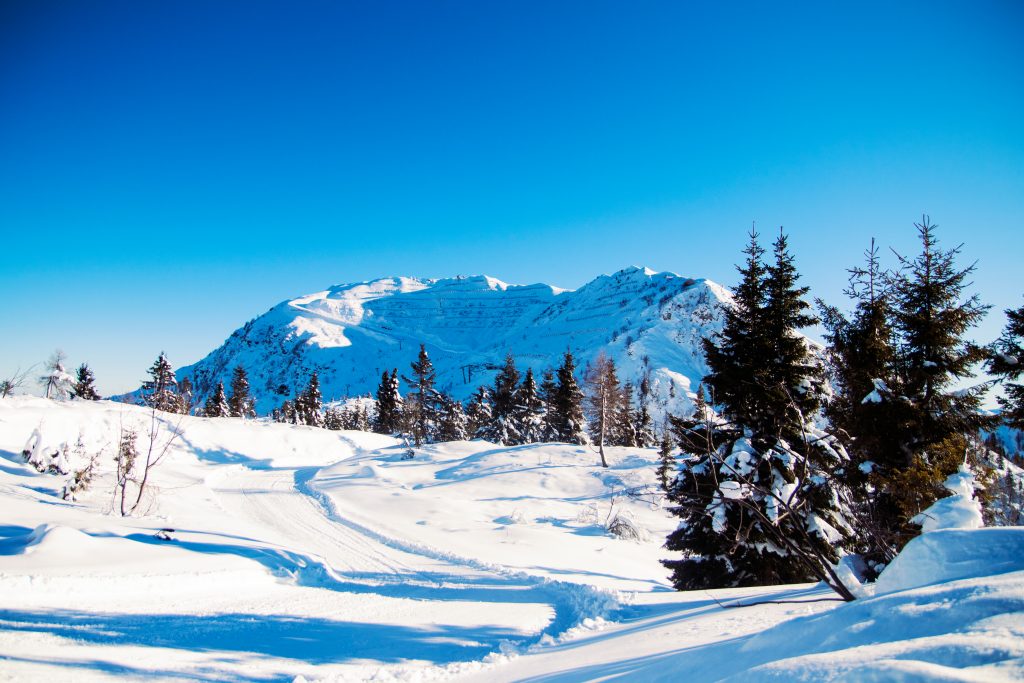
(169, 170)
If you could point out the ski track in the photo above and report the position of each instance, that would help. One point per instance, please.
(316, 545)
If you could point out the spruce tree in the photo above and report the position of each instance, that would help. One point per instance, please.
(185, 396)
(1007, 362)
(85, 388)
(756, 500)
(451, 419)
(566, 420)
(503, 427)
(422, 400)
(334, 419)
(217, 403)
(389, 404)
(241, 402)
(530, 415)
(478, 413)
(548, 397)
(624, 432)
(666, 463)
(159, 391)
(310, 407)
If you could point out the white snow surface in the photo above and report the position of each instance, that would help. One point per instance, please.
(651, 324)
(302, 554)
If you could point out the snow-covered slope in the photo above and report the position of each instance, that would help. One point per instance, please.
(650, 323)
(298, 551)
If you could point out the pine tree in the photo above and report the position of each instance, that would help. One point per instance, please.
(567, 422)
(422, 400)
(185, 396)
(644, 426)
(624, 423)
(478, 413)
(334, 419)
(530, 416)
(503, 427)
(389, 404)
(756, 500)
(451, 420)
(160, 390)
(1007, 361)
(666, 463)
(548, 398)
(309, 405)
(241, 402)
(217, 404)
(85, 388)
(602, 401)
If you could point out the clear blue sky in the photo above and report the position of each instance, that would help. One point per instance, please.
(169, 170)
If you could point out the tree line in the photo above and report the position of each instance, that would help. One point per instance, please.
(794, 459)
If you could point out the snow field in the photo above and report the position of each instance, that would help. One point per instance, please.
(299, 553)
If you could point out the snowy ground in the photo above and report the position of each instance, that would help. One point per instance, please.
(326, 555)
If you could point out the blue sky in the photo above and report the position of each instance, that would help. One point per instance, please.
(169, 170)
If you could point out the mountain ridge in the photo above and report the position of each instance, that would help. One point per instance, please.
(649, 322)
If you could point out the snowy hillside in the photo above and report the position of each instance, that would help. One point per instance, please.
(290, 551)
(650, 323)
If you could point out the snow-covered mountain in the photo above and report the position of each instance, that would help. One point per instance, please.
(650, 323)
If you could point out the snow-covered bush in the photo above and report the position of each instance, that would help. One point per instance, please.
(622, 525)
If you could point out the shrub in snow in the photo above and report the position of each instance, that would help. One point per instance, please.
(622, 525)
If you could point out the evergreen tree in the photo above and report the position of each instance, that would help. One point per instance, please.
(241, 402)
(644, 425)
(421, 403)
(451, 420)
(309, 405)
(666, 463)
(602, 401)
(1007, 361)
(624, 424)
(389, 404)
(217, 403)
(548, 397)
(756, 500)
(85, 388)
(185, 396)
(503, 427)
(478, 414)
(567, 422)
(334, 419)
(530, 416)
(160, 390)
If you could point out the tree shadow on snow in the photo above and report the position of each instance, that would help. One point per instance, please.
(313, 640)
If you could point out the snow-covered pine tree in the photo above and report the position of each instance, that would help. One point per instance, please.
(624, 427)
(1007, 362)
(603, 396)
(530, 416)
(478, 413)
(310, 407)
(241, 402)
(389, 404)
(939, 420)
(643, 426)
(666, 462)
(755, 496)
(421, 402)
(185, 396)
(57, 383)
(334, 419)
(451, 419)
(85, 387)
(566, 420)
(217, 403)
(503, 427)
(548, 397)
(862, 352)
(160, 390)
